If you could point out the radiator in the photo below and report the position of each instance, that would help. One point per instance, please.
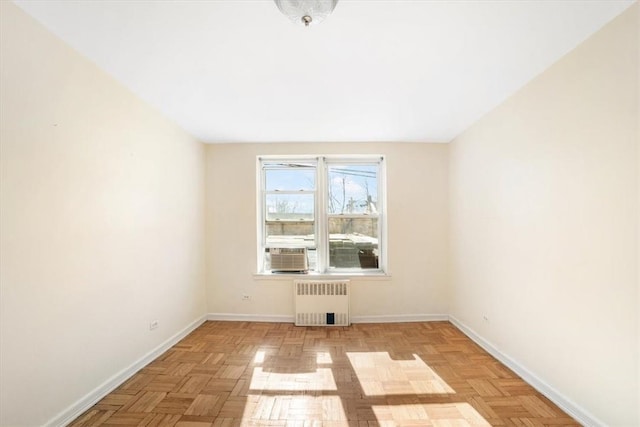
(321, 302)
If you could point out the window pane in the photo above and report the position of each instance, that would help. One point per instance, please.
(353, 242)
(289, 207)
(352, 189)
(297, 177)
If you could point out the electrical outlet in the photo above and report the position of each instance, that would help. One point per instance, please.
(246, 297)
(153, 325)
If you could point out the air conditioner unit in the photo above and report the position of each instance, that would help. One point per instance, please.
(289, 259)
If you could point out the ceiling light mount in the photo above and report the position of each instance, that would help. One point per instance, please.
(306, 12)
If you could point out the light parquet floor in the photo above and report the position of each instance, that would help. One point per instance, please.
(277, 374)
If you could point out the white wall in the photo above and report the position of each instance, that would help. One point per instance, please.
(544, 218)
(102, 220)
(417, 227)
(637, 12)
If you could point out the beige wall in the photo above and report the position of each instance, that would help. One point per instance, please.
(544, 225)
(102, 220)
(417, 231)
(637, 12)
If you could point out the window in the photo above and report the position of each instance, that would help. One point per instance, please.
(332, 206)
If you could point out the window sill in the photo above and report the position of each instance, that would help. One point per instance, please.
(377, 276)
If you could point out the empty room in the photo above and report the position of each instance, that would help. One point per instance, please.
(319, 213)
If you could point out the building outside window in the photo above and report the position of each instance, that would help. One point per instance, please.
(327, 209)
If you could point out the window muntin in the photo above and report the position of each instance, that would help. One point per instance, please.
(330, 205)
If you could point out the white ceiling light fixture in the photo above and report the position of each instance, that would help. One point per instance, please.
(306, 11)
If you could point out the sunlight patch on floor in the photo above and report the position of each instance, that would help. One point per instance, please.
(436, 414)
(265, 410)
(259, 357)
(320, 379)
(380, 375)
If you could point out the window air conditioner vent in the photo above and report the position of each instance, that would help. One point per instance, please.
(289, 259)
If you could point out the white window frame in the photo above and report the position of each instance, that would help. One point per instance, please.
(321, 215)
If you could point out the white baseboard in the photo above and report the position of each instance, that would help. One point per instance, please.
(277, 318)
(73, 411)
(567, 405)
(232, 317)
(400, 318)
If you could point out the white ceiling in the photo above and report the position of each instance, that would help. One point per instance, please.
(239, 71)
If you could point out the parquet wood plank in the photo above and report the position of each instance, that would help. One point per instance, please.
(160, 420)
(94, 417)
(146, 402)
(237, 374)
(173, 404)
